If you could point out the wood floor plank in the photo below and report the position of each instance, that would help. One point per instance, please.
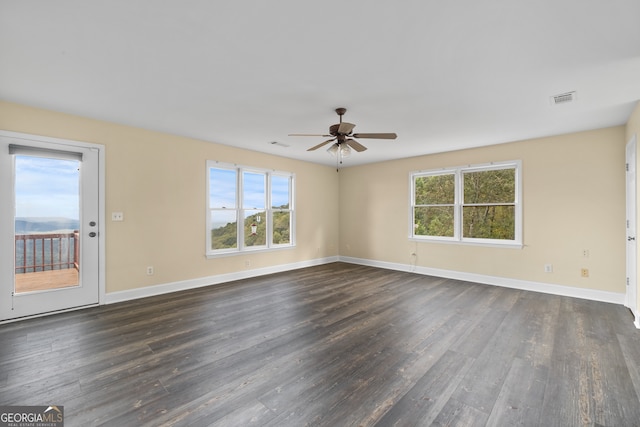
(424, 401)
(332, 345)
(253, 414)
(520, 396)
(456, 413)
(630, 345)
(584, 358)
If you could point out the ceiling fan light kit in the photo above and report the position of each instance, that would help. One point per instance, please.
(342, 137)
(342, 150)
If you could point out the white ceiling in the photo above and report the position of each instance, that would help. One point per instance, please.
(443, 75)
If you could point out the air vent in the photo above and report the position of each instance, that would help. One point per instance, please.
(563, 98)
(280, 144)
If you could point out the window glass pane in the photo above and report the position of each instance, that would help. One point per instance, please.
(253, 187)
(255, 228)
(435, 189)
(281, 228)
(492, 186)
(224, 232)
(222, 188)
(434, 221)
(279, 192)
(256, 200)
(489, 222)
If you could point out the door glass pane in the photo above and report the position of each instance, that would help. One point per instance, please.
(47, 214)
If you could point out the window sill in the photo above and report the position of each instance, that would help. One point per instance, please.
(507, 245)
(210, 255)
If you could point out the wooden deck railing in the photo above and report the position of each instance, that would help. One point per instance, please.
(46, 251)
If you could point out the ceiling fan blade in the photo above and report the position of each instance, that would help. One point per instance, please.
(321, 144)
(355, 145)
(345, 128)
(376, 135)
(308, 134)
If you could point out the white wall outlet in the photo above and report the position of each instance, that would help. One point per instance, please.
(117, 216)
(150, 270)
(585, 253)
(548, 268)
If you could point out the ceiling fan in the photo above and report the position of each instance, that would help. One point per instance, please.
(342, 137)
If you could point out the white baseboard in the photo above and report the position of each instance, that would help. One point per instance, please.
(148, 291)
(525, 285)
(590, 294)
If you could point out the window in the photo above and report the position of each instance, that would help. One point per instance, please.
(248, 209)
(471, 204)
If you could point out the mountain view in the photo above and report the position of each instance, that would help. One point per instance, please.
(225, 237)
(41, 253)
(45, 225)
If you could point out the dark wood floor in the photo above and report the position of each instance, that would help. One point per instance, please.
(334, 345)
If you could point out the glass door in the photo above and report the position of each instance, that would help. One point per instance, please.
(47, 223)
(53, 243)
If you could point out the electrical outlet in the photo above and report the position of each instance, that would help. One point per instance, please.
(548, 268)
(150, 271)
(585, 253)
(117, 216)
(584, 272)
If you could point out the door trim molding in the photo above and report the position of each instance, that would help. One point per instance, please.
(631, 298)
(30, 138)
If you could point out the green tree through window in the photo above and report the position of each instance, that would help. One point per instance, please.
(474, 203)
(260, 201)
(489, 204)
(434, 205)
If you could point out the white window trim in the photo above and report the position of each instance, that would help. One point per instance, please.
(457, 238)
(240, 209)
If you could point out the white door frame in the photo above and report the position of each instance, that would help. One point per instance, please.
(631, 300)
(6, 227)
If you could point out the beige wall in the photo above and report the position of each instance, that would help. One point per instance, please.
(573, 188)
(573, 191)
(158, 181)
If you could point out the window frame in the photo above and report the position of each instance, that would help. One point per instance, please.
(241, 210)
(459, 204)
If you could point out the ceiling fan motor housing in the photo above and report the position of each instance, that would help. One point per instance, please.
(342, 135)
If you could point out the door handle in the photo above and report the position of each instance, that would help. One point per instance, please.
(93, 234)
